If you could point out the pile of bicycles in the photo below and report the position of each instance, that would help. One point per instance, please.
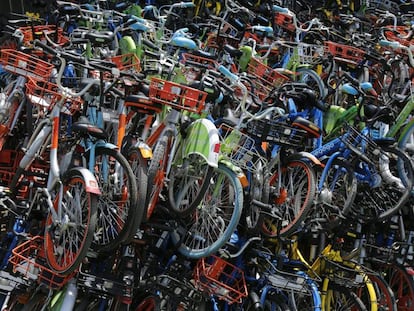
(208, 155)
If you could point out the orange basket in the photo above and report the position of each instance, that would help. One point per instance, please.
(46, 94)
(25, 65)
(218, 277)
(346, 52)
(176, 95)
(38, 32)
(29, 259)
(284, 21)
(195, 65)
(266, 77)
(10, 160)
(390, 35)
(126, 62)
(207, 63)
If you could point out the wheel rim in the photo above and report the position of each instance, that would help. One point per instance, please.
(64, 243)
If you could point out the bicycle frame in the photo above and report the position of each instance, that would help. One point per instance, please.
(50, 128)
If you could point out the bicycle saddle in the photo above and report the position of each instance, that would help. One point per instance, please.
(96, 37)
(84, 127)
(235, 52)
(373, 113)
(311, 128)
(302, 95)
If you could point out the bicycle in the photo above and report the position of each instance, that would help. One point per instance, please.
(341, 278)
(282, 186)
(70, 199)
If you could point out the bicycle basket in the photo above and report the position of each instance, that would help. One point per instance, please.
(240, 148)
(127, 62)
(303, 53)
(358, 141)
(344, 273)
(285, 21)
(46, 94)
(218, 277)
(277, 132)
(266, 77)
(31, 33)
(176, 95)
(25, 65)
(194, 65)
(344, 52)
(29, 259)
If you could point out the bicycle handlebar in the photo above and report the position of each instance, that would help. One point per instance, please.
(66, 56)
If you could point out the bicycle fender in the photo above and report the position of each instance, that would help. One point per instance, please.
(304, 155)
(202, 139)
(90, 180)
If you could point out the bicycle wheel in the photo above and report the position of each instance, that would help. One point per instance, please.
(336, 196)
(340, 298)
(215, 219)
(118, 207)
(392, 171)
(385, 295)
(156, 173)
(396, 84)
(313, 80)
(139, 167)
(292, 190)
(68, 239)
(308, 299)
(402, 285)
(187, 183)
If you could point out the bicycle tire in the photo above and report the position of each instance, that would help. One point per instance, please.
(335, 198)
(399, 77)
(64, 255)
(119, 208)
(213, 222)
(139, 167)
(187, 184)
(385, 295)
(274, 299)
(381, 202)
(338, 298)
(313, 80)
(306, 301)
(156, 173)
(401, 283)
(295, 177)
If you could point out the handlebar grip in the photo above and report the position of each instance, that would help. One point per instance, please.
(280, 9)
(186, 5)
(233, 77)
(391, 44)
